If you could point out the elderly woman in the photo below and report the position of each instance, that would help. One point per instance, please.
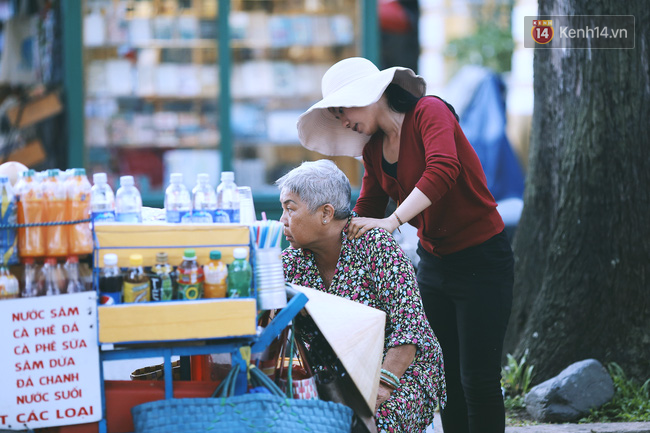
(372, 270)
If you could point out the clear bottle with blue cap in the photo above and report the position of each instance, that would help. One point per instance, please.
(102, 199)
(204, 200)
(178, 204)
(228, 196)
(128, 201)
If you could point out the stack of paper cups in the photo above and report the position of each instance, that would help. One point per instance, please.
(269, 279)
(246, 205)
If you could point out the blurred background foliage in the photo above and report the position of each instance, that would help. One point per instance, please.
(491, 43)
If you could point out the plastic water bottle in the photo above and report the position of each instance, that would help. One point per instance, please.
(240, 275)
(178, 205)
(80, 238)
(110, 281)
(102, 200)
(228, 196)
(51, 277)
(128, 202)
(86, 276)
(30, 284)
(204, 200)
(72, 275)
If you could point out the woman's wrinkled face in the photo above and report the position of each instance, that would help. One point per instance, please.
(358, 119)
(301, 227)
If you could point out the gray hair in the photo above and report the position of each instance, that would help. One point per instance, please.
(318, 183)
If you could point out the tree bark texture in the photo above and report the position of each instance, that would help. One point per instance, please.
(582, 248)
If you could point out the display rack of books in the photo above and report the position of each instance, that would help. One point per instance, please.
(151, 89)
(280, 51)
(154, 102)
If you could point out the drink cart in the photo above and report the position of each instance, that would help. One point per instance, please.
(58, 344)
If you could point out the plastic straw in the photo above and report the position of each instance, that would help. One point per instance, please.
(266, 234)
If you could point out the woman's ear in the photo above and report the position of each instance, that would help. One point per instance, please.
(328, 212)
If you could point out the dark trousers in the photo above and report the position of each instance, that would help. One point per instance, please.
(467, 298)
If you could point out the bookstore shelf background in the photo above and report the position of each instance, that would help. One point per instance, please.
(202, 86)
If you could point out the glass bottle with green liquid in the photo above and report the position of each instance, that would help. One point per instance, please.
(162, 279)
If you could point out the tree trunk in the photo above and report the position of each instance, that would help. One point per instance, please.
(582, 248)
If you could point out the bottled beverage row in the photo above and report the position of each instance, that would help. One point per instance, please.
(163, 282)
(47, 199)
(44, 199)
(50, 277)
(203, 204)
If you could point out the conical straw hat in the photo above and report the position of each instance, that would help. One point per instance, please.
(356, 334)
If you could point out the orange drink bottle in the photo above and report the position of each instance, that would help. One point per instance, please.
(31, 240)
(56, 236)
(215, 274)
(80, 238)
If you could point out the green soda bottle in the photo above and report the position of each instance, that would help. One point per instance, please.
(240, 275)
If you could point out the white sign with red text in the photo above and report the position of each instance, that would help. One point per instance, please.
(49, 361)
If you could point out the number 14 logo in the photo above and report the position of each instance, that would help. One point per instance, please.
(542, 31)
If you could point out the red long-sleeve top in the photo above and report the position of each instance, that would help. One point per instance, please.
(436, 158)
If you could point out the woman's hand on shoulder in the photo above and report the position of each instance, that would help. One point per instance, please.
(358, 226)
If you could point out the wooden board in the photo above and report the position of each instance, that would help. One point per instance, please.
(148, 239)
(177, 320)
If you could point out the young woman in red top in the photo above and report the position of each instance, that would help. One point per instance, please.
(415, 152)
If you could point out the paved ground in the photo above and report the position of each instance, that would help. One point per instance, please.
(120, 370)
(627, 427)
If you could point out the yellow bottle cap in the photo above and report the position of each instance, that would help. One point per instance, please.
(135, 260)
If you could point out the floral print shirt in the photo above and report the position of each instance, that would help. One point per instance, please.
(374, 271)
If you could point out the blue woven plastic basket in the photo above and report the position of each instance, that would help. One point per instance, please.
(240, 414)
(259, 413)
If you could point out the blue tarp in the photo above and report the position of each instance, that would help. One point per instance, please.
(484, 123)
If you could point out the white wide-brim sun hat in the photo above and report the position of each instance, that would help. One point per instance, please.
(352, 82)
